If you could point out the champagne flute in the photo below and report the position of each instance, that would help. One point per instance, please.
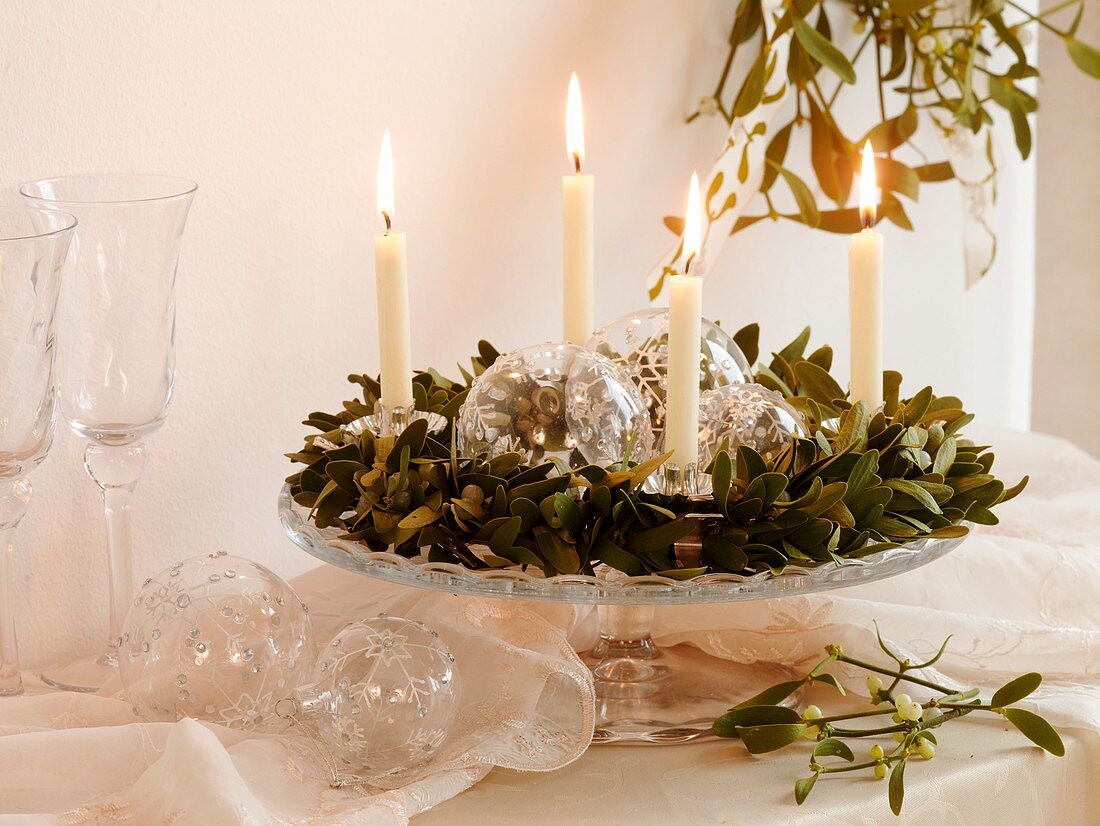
(33, 245)
(116, 353)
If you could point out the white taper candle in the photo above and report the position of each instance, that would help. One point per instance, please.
(578, 254)
(685, 311)
(392, 280)
(865, 294)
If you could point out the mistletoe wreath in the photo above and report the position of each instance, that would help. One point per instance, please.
(864, 482)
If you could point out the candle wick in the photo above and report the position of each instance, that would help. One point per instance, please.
(386, 218)
(577, 163)
(688, 263)
(867, 218)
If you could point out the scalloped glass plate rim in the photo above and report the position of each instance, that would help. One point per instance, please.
(512, 583)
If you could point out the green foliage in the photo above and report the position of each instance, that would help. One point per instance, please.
(763, 725)
(927, 65)
(860, 484)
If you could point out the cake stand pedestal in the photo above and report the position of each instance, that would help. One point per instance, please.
(663, 695)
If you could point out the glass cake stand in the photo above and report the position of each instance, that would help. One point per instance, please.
(644, 693)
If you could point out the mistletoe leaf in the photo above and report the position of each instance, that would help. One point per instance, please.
(1015, 490)
(561, 556)
(895, 176)
(712, 190)
(803, 197)
(892, 132)
(897, 787)
(841, 221)
(832, 747)
(774, 156)
(747, 22)
(611, 554)
(823, 51)
(763, 739)
(748, 340)
(743, 222)
(794, 350)
(934, 172)
(817, 383)
(1085, 56)
(1005, 93)
(420, 518)
(774, 695)
(830, 679)
(659, 538)
(752, 89)
(1007, 36)
(721, 477)
(826, 156)
(727, 724)
(1015, 690)
(899, 57)
(894, 212)
(1037, 730)
(803, 786)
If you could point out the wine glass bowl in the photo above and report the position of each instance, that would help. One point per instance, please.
(117, 362)
(33, 245)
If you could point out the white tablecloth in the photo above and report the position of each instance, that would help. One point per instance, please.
(1021, 596)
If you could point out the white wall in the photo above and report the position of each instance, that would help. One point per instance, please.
(276, 108)
(1067, 283)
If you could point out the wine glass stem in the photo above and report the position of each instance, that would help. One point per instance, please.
(14, 496)
(120, 551)
(10, 681)
(116, 469)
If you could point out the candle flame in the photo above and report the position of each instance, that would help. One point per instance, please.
(868, 196)
(385, 181)
(574, 124)
(693, 224)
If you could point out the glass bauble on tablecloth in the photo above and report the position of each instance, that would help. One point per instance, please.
(215, 637)
(638, 342)
(558, 402)
(384, 697)
(746, 414)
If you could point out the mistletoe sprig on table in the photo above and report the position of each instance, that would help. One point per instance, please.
(764, 725)
(863, 483)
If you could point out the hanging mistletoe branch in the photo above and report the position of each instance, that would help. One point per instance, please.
(931, 65)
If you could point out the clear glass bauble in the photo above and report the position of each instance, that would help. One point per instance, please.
(384, 697)
(215, 637)
(557, 402)
(638, 342)
(746, 414)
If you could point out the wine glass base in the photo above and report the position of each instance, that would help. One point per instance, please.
(86, 675)
(670, 695)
